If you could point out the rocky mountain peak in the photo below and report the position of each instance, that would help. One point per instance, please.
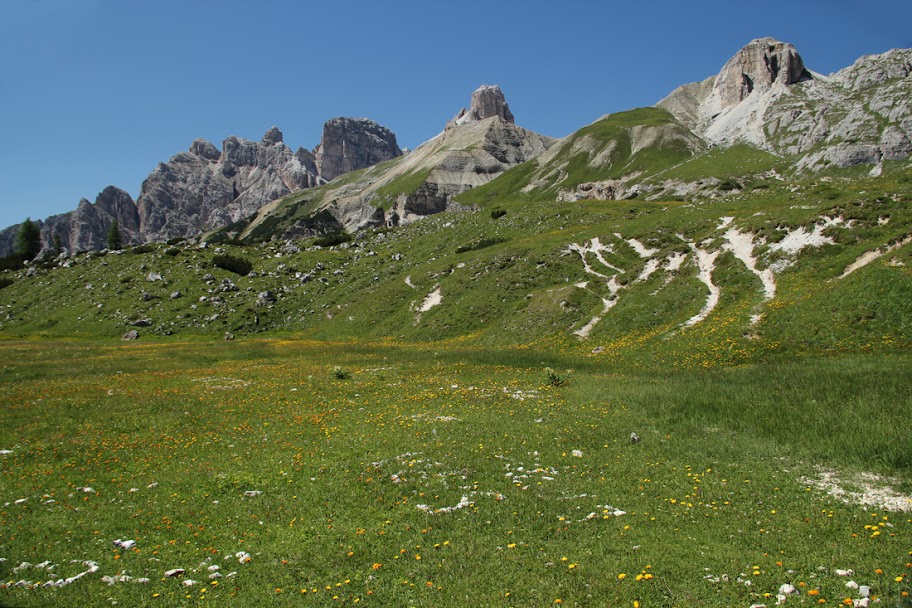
(487, 101)
(349, 144)
(205, 149)
(272, 136)
(760, 64)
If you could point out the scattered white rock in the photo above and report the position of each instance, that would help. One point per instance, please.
(252, 493)
(841, 572)
(243, 557)
(175, 572)
(787, 589)
(126, 545)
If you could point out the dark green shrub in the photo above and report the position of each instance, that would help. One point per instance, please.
(498, 213)
(12, 262)
(172, 251)
(232, 264)
(140, 249)
(5, 282)
(485, 242)
(330, 240)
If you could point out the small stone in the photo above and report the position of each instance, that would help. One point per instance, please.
(131, 335)
(175, 572)
(634, 438)
(787, 589)
(864, 591)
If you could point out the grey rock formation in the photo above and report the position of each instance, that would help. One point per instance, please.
(467, 154)
(86, 228)
(199, 190)
(488, 101)
(766, 97)
(204, 188)
(349, 144)
(758, 66)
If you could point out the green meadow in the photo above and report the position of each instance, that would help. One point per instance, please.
(443, 413)
(295, 472)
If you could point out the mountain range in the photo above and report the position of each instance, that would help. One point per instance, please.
(765, 209)
(764, 98)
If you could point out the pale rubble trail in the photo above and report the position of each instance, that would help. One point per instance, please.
(433, 299)
(607, 303)
(869, 256)
(741, 244)
(800, 238)
(706, 262)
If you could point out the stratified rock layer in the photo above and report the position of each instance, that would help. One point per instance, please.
(766, 97)
(349, 144)
(206, 188)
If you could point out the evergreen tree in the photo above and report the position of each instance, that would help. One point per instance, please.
(28, 241)
(114, 241)
(58, 244)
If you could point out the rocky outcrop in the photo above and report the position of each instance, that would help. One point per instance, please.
(349, 144)
(476, 147)
(206, 188)
(87, 227)
(766, 97)
(758, 66)
(202, 189)
(488, 101)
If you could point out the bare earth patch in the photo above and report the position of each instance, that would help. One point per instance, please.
(866, 489)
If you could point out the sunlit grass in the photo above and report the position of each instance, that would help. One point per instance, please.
(442, 475)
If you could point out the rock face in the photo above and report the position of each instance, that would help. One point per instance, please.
(488, 101)
(87, 227)
(349, 144)
(758, 66)
(205, 188)
(476, 146)
(766, 97)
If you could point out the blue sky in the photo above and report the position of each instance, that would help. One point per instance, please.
(97, 92)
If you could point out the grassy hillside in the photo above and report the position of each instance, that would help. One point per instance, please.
(632, 145)
(531, 273)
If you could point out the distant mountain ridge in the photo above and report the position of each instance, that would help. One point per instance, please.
(765, 104)
(204, 187)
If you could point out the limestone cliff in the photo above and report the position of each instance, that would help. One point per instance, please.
(765, 96)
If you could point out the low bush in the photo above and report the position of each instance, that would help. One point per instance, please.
(232, 264)
(330, 240)
(6, 282)
(481, 244)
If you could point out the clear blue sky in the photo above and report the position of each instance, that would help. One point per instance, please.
(97, 92)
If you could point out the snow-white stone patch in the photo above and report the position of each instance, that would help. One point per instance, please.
(651, 266)
(674, 262)
(433, 299)
(799, 238)
(876, 491)
(706, 262)
(641, 249)
(462, 504)
(869, 256)
(741, 244)
(408, 281)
